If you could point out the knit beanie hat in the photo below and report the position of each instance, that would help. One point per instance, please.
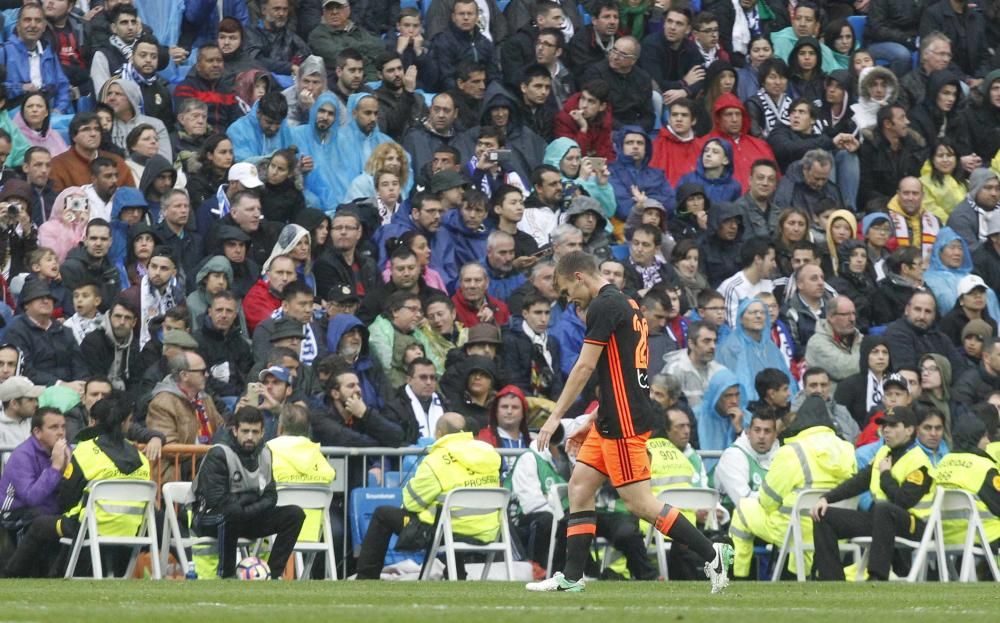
(979, 178)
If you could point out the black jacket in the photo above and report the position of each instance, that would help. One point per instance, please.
(188, 250)
(882, 168)
(582, 52)
(982, 124)
(451, 46)
(789, 145)
(908, 343)
(969, 48)
(330, 269)
(516, 53)
(400, 410)
(218, 348)
(720, 259)
(97, 351)
(631, 95)
(420, 142)
(667, 66)
(50, 355)
(974, 386)
(261, 241)
(281, 202)
(890, 299)
(519, 356)
(852, 392)
(986, 264)
(928, 120)
(374, 429)
(214, 495)
(398, 112)
(955, 320)
(893, 20)
(274, 49)
(80, 267)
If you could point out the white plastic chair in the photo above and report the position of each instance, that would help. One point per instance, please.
(793, 535)
(311, 497)
(557, 493)
(687, 499)
(954, 504)
(918, 573)
(471, 501)
(180, 493)
(111, 496)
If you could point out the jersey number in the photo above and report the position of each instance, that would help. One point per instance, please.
(642, 348)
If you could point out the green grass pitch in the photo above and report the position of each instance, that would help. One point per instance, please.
(493, 602)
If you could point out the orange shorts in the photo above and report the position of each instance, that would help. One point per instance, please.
(623, 461)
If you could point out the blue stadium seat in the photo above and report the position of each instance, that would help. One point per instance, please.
(857, 23)
(364, 501)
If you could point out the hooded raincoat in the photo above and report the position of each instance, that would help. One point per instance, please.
(942, 281)
(605, 194)
(745, 356)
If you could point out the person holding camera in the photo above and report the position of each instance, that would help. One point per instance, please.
(488, 167)
(18, 235)
(269, 395)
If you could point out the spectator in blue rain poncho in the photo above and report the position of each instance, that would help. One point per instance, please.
(950, 261)
(721, 411)
(319, 141)
(748, 349)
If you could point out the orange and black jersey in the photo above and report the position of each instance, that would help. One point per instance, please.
(614, 322)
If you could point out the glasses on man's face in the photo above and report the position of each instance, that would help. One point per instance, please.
(624, 55)
(201, 371)
(929, 370)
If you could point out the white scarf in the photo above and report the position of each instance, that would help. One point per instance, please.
(427, 420)
(873, 393)
(539, 339)
(310, 347)
(152, 302)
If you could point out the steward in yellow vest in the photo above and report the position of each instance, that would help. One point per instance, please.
(901, 481)
(297, 460)
(108, 456)
(235, 496)
(455, 460)
(813, 456)
(969, 468)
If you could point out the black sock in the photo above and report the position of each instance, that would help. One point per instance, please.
(675, 525)
(580, 531)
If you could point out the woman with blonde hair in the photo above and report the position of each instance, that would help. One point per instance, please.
(387, 157)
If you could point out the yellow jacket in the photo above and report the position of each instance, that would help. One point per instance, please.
(298, 460)
(941, 198)
(813, 459)
(454, 461)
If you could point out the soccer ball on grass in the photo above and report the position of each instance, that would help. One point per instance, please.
(253, 568)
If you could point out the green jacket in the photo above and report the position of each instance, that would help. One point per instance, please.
(327, 42)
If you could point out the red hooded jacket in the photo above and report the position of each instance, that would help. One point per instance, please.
(596, 141)
(673, 155)
(746, 149)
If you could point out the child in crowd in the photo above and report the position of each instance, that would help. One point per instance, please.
(714, 171)
(44, 265)
(86, 301)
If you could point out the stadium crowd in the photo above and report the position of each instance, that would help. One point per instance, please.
(339, 221)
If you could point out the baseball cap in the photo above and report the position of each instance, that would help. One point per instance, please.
(180, 339)
(895, 379)
(340, 2)
(446, 180)
(969, 283)
(902, 415)
(484, 333)
(344, 293)
(35, 289)
(19, 387)
(246, 174)
(278, 372)
(286, 328)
